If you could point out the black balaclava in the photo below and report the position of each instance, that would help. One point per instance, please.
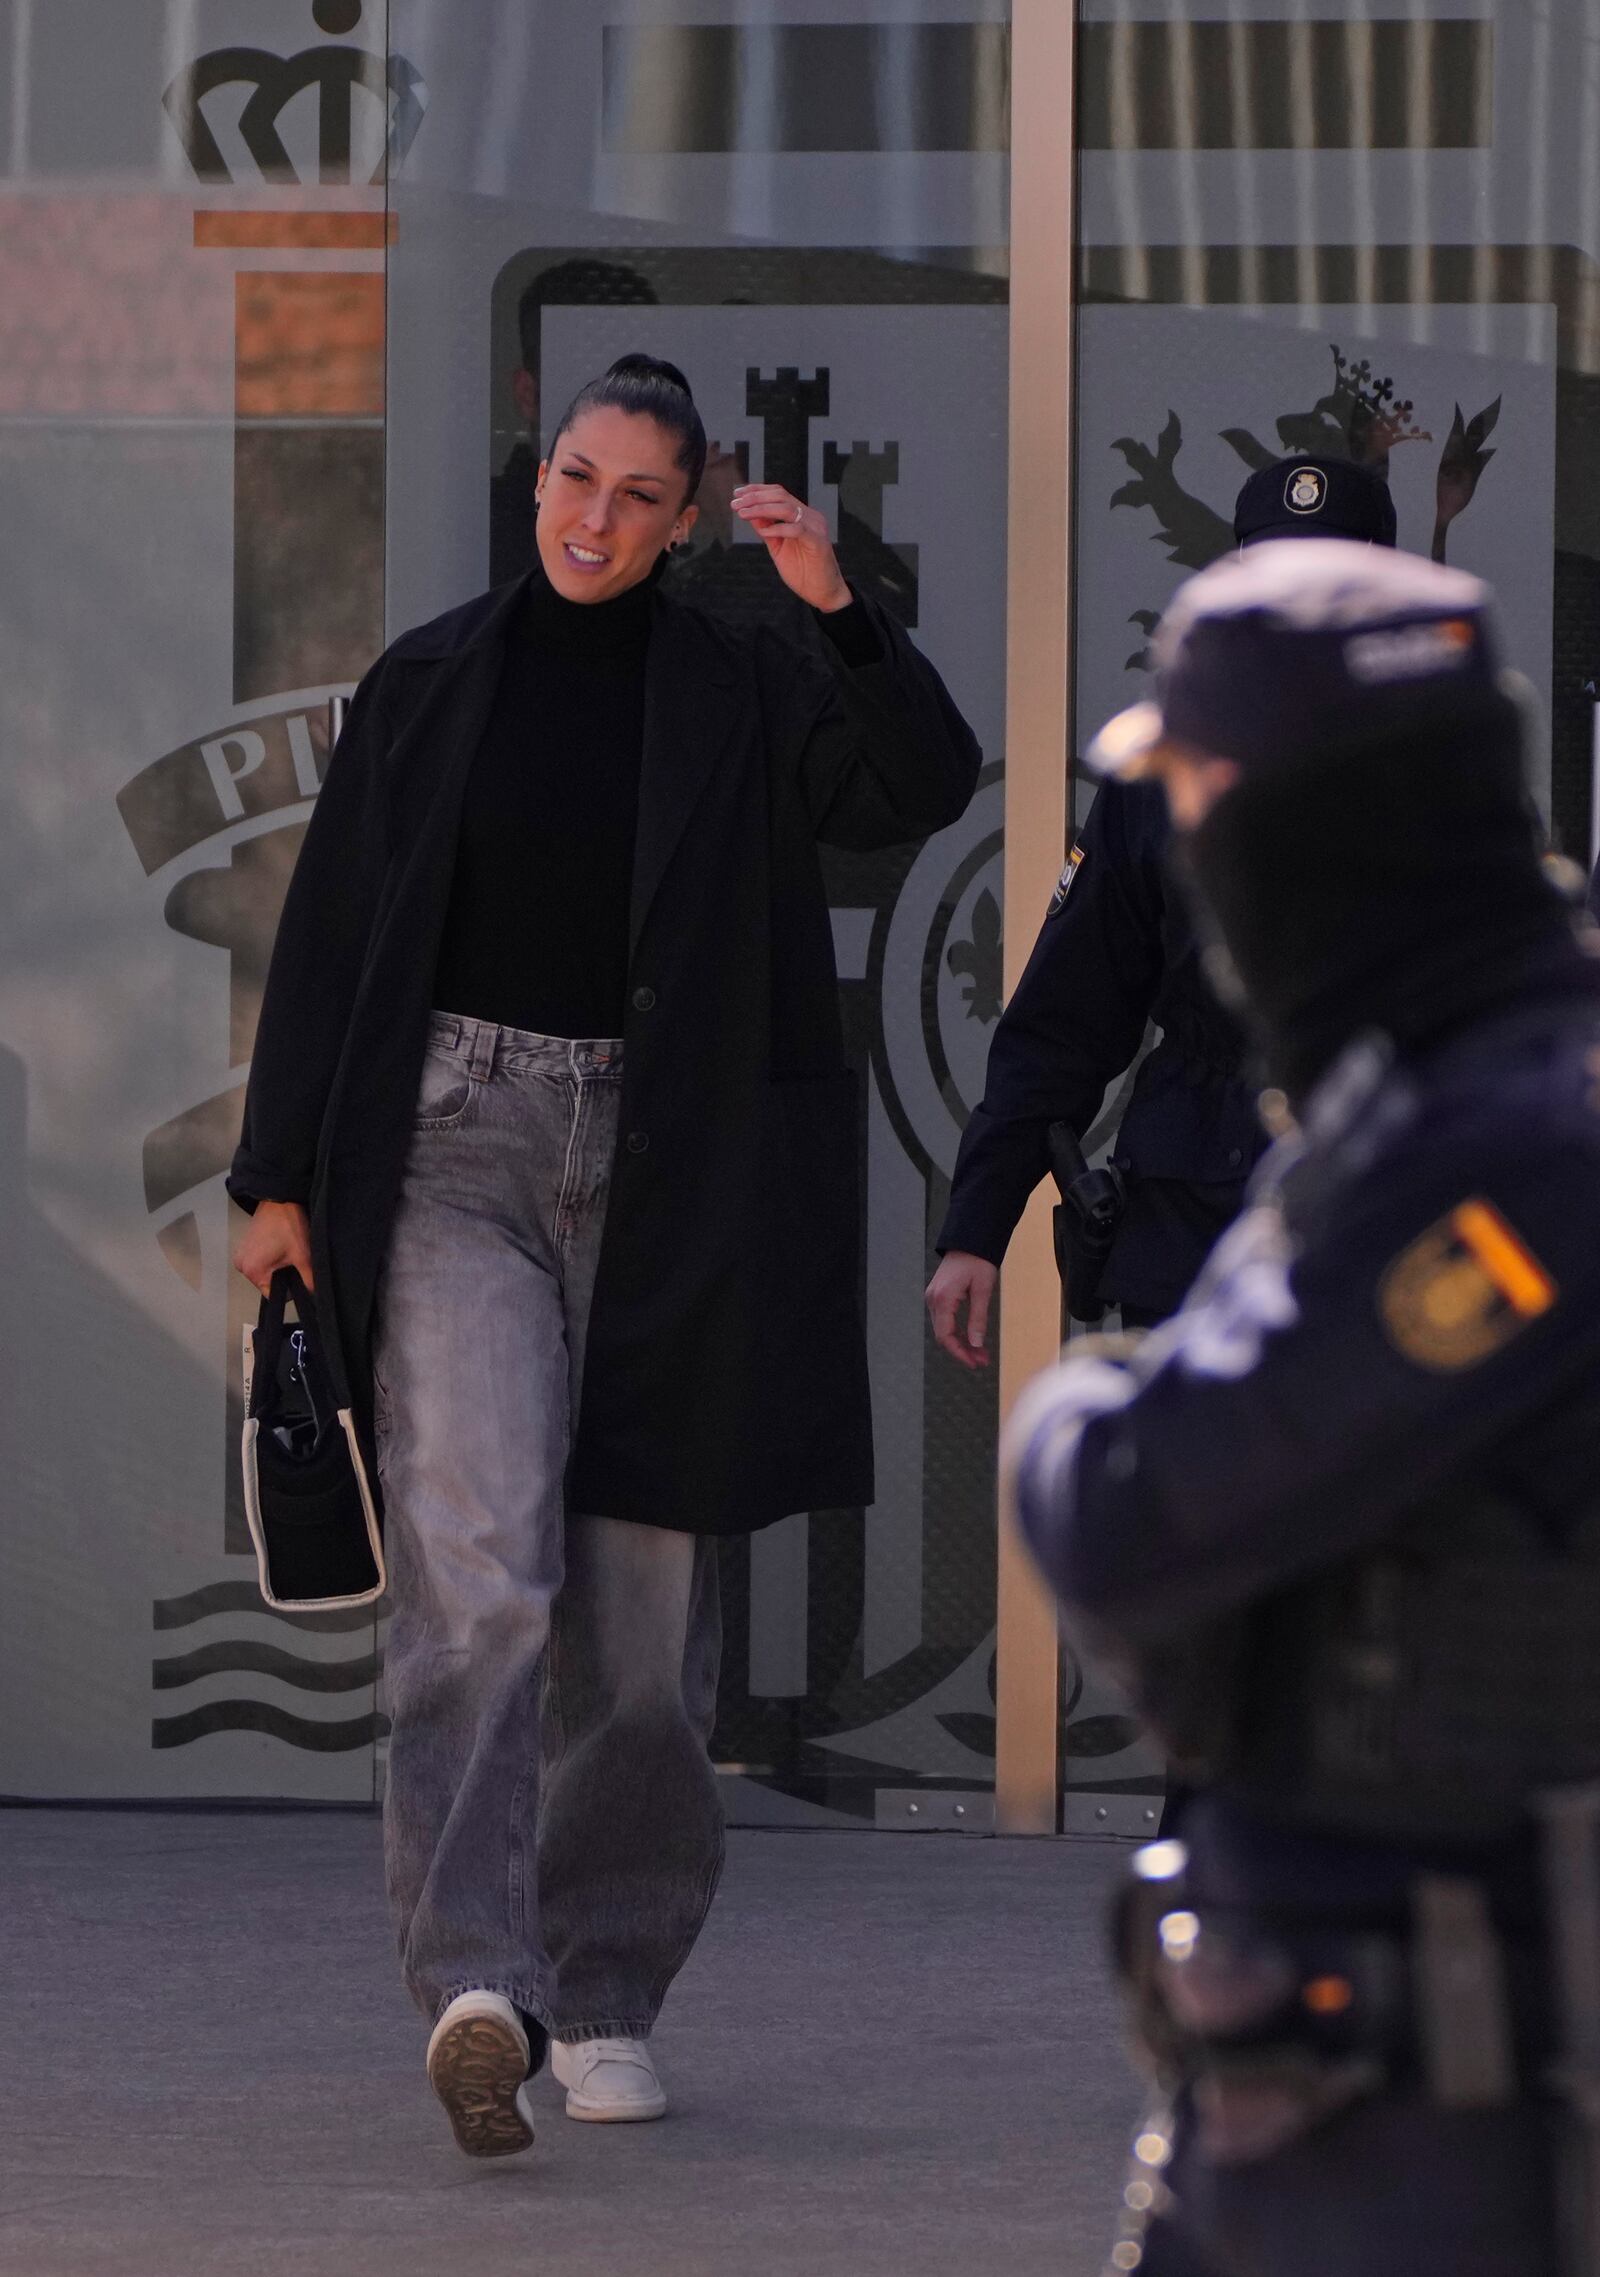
(1396, 885)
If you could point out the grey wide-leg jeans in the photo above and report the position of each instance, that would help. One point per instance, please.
(552, 1826)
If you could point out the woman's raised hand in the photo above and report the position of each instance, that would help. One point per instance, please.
(278, 1235)
(797, 538)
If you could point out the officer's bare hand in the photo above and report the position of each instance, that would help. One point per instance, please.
(962, 1283)
(278, 1235)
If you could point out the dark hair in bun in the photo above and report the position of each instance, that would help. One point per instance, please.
(649, 388)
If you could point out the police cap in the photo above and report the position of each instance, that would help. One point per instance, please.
(1291, 651)
(1315, 498)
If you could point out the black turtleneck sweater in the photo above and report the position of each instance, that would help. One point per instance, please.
(536, 934)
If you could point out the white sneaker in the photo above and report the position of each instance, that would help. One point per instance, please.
(478, 2068)
(608, 2079)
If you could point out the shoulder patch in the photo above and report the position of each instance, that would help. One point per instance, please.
(1462, 1290)
(1065, 881)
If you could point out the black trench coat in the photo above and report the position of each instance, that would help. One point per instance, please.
(725, 1383)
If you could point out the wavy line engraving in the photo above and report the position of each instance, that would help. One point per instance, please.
(244, 1597)
(249, 1658)
(276, 1723)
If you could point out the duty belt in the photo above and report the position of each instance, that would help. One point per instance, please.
(1428, 1689)
(1268, 2029)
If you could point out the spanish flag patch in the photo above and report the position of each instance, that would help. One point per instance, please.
(1463, 1289)
(1065, 882)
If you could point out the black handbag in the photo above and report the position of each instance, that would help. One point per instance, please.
(307, 1498)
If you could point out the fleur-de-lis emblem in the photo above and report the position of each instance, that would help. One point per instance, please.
(977, 961)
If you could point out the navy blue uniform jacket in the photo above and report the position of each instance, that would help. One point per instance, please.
(1116, 951)
(1409, 1308)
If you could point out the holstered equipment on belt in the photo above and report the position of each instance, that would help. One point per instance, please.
(1266, 2036)
(1264, 2028)
(1085, 1222)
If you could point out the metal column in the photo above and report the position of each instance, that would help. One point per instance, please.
(1038, 713)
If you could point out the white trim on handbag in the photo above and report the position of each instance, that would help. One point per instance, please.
(252, 1510)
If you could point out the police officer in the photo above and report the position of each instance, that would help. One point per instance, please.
(1116, 952)
(1337, 1524)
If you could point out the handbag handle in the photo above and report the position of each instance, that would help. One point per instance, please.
(285, 1287)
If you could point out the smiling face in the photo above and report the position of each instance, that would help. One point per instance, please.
(611, 496)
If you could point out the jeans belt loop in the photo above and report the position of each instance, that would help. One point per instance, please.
(485, 1036)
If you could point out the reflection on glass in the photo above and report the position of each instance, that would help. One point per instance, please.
(755, 203)
(192, 373)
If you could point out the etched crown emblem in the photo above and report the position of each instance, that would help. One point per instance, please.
(340, 74)
(1366, 408)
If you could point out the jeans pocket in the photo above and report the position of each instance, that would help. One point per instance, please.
(445, 1092)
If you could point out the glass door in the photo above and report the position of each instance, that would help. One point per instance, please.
(809, 218)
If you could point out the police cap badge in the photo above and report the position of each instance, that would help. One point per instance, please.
(1306, 491)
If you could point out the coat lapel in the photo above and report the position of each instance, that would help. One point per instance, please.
(691, 713)
(444, 732)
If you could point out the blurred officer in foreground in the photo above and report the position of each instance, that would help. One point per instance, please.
(1117, 950)
(1337, 1524)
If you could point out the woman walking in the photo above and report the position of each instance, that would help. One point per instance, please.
(548, 1093)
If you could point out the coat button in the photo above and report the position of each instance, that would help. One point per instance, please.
(638, 1142)
(644, 1000)
(1235, 1157)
